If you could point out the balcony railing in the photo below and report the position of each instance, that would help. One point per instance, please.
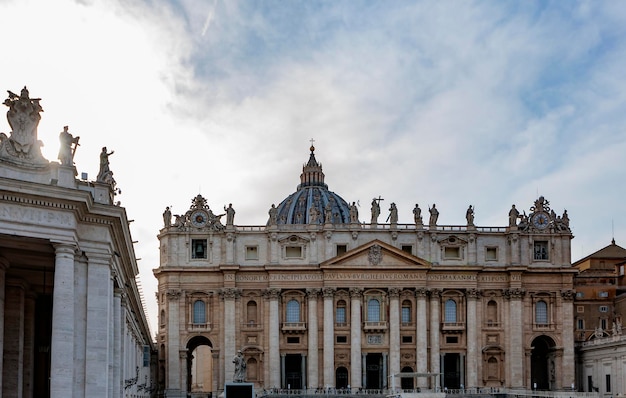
(374, 326)
(452, 327)
(294, 327)
(199, 327)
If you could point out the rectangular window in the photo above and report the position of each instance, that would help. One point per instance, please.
(146, 356)
(608, 382)
(603, 294)
(293, 340)
(452, 252)
(540, 250)
(293, 252)
(580, 324)
(604, 308)
(407, 339)
(621, 270)
(452, 340)
(603, 324)
(198, 248)
(491, 253)
(252, 252)
(341, 315)
(406, 315)
(407, 249)
(341, 249)
(342, 339)
(580, 294)
(580, 309)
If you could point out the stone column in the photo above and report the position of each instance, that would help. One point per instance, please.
(567, 335)
(4, 264)
(13, 370)
(80, 325)
(283, 377)
(230, 250)
(329, 338)
(117, 343)
(273, 237)
(435, 295)
(313, 246)
(421, 334)
(99, 303)
(173, 343)
(29, 342)
(62, 339)
(355, 337)
(184, 371)
(274, 339)
(472, 339)
(230, 332)
(515, 359)
(394, 334)
(313, 376)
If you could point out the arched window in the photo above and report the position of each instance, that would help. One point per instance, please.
(162, 318)
(252, 369)
(406, 311)
(293, 311)
(541, 313)
(340, 316)
(251, 312)
(450, 311)
(492, 368)
(373, 310)
(199, 312)
(492, 313)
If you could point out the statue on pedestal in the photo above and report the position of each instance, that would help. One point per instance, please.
(240, 368)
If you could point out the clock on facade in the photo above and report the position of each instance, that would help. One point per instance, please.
(199, 218)
(540, 220)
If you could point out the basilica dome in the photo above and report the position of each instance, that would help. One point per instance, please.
(313, 193)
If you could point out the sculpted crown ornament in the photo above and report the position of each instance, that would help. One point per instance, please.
(22, 146)
(542, 219)
(200, 216)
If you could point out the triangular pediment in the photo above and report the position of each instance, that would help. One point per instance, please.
(376, 255)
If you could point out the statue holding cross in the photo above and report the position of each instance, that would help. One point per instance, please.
(376, 209)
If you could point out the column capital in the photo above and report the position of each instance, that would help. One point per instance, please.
(421, 292)
(516, 293)
(393, 292)
(173, 294)
(329, 292)
(312, 294)
(272, 293)
(473, 293)
(356, 292)
(230, 293)
(435, 294)
(65, 247)
(568, 294)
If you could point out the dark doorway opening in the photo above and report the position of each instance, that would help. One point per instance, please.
(293, 371)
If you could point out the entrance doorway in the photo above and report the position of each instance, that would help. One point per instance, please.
(341, 377)
(374, 371)
(452, 370)
(199, 366)
(542, 364)
(293, 371)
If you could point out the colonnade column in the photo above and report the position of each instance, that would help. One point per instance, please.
(313, 362)
(516, 358)
(29, 343)
(394, 335)
(62, 339)
(274, 340)
(567, 363)
(421, 334)
(173, 343)
(435, 295)
(99, 303)
(472, 350)
(4, 264)
(117, 343)
(229, 295)
(13, 372)
(355, 337)
(329, 338)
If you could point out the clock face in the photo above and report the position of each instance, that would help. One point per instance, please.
(199, 218)
(541, 220)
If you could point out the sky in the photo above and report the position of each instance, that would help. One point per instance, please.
(458, 103)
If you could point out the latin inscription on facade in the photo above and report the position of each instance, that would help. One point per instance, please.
(452, 277)
(35, 216)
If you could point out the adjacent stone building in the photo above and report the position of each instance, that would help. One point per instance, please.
(317, 298)
(71, 318)
(600, 304)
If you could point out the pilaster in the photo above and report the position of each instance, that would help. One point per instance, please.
(329, 338)
(356, 295)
